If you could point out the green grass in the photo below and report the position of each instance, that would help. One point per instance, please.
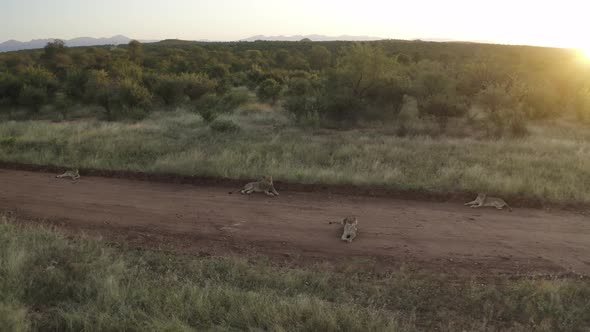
(52, 283)
(551, 165)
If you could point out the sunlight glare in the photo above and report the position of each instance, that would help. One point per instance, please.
(585, 52)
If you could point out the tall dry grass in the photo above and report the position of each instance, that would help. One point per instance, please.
(50, 282)
(552, 164)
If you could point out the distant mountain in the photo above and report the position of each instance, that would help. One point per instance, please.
(311, 37)
(15, 45)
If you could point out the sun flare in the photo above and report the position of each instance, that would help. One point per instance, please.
(585, 52)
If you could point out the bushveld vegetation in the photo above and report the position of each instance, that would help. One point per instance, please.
(408, 115)
(330, 84)
(51, 282)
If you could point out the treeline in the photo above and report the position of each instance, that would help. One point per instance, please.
(319, 83)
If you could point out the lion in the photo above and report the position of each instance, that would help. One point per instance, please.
(263, 186)
(483, 200)
(74, 174)
(350, 228)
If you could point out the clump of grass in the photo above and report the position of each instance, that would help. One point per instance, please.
(224, 126)
(50, 282)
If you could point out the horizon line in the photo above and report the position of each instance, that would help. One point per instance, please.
(372, 38)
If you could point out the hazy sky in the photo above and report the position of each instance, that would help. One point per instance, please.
(555, 23)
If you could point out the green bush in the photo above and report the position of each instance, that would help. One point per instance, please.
(33, 97)
(269, 90)
(234, 98)
(224, 126)
(208, 107)
(442, 107)
(130, 94)
(10, 88)
(74, 83)
(196, 85)
(170, 88)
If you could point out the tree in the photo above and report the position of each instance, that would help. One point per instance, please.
(269, 90)
(38, 86)
(404, 59)
(319, 57)
(363, 68)
(255, 56)
(122, 69)
(130, 94)
(135, 51)
(10, 88)
(196, 85)
(218, 71)
(494, 98)
(53, 48)
(542, 100)
(390, 95)
(303, 101)
(297, 61)
(281, 57)
(74, 83)
(442, 107)
(39, 77)
(55, 56)
(501, 108)
(360, 80)
(430, 83)
(170, 88)
(99, 90)
(33, 97)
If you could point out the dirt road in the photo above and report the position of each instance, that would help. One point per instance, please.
(198, 219)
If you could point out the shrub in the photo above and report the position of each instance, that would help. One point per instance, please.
(319, 57)
(541, 101)
(74, 83)
(301, 107)
(503, 112)
(207, 107)
(517, 126)
(196, 85)
(33, 97)
(442, 107)
(269, 90)
(302, 100)
(494, 98)
(10, 88)
(131, 94)
(224, 126)
(62, 104)
(235, 98)
(100, 90)
(168, 87)
(39, 77)
(126, 70)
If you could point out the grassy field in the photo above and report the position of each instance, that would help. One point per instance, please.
(51, 282)
(552, 164)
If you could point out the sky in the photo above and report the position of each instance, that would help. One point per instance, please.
(543, 22)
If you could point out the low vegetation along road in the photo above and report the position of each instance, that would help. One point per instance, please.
(295, 226)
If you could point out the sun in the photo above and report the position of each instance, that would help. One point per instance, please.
(585, 51)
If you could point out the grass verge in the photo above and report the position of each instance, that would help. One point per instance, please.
(551, 165)
(51, 282)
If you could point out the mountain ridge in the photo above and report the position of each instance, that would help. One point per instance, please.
(312, 37)
(15, 45)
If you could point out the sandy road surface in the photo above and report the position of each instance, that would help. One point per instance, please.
(208, 220)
